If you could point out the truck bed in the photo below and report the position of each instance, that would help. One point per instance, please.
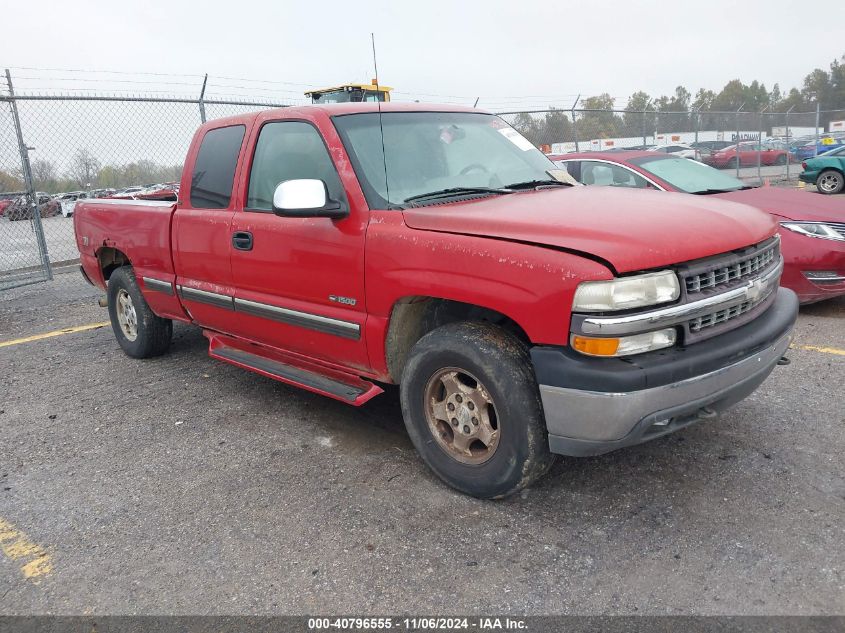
(140, 229)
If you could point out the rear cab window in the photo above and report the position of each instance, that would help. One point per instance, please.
(214, 169)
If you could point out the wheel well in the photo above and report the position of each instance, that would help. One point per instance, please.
(110, 260)
(414, 317)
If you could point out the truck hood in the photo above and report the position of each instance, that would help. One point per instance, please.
(790, 204)
(631, 229)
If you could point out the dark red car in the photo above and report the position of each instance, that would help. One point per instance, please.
(747, 156)
(7, 199)
(812, 226)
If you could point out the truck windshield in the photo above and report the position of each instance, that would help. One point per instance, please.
(425, 152)
(688, 175)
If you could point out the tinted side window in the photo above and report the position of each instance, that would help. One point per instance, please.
(289, 150)
(214, 170)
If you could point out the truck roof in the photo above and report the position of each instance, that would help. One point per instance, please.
(347, 108)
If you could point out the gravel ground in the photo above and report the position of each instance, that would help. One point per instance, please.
(184, 485)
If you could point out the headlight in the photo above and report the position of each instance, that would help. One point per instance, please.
(626, 292)
(815, 229)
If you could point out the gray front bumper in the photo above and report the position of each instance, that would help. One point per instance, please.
(584, 422)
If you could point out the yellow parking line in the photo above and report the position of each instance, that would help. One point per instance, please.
(34, 560)
(823, 350)
(67, 330)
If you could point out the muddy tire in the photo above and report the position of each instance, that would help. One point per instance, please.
(830, 182)
(138, 331)
(472, 409)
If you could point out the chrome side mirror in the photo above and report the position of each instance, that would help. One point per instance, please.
(306, 198)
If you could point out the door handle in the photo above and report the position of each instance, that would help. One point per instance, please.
(242, 240)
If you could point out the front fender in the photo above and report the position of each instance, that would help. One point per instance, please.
(531, 285)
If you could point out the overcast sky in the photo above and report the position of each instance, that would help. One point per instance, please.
(512, 54)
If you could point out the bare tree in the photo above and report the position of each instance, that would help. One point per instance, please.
(43, 174)
(85, 168)
(10, 181)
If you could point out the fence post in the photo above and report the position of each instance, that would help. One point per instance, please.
(788, 143)
(697, 124)
(575, 127)
(816, 149)
(644, 143)
(202, 98)
(30, 186)
(760, 146)
(645, 109)
(737, 139)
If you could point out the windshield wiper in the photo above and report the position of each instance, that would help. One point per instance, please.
(707, 192)
(454, 191)
(530, 184)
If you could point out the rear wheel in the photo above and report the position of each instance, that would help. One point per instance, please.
(137, 329)
(830, 181)
(733, 163)
(472, 409)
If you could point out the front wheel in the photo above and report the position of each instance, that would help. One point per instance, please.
(830, 182)
(472, 409)
(781, 160)
(137, 329)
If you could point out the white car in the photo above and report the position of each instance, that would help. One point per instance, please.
(68, 202)
(678, 149)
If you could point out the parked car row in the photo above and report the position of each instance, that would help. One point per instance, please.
(168, 191)
(808, 147)
(18, 206)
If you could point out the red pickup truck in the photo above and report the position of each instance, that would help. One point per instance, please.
(342, 247)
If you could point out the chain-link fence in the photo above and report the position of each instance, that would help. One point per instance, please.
(57, 150)
(758, 147)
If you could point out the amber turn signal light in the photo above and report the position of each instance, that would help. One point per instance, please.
(595, 346)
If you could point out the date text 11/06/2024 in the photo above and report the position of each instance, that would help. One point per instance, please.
(416, 624)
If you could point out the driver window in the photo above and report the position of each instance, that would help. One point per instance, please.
(289, 150)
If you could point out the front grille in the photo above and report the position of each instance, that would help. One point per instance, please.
(839, 227)
(709, 320)
(722, 273)
(733, 271)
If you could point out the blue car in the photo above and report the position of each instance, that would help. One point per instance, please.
(811, 148)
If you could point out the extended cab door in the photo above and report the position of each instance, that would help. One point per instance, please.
(202, 228)
(299, 282)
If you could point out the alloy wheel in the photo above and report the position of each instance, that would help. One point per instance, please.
(461, 416)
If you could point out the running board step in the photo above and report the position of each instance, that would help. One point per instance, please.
(287, 369)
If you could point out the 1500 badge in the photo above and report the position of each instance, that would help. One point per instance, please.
(348, 301)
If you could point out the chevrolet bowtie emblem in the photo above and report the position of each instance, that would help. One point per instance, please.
(755, 289)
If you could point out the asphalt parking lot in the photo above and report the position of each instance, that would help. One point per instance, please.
(183, 485)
